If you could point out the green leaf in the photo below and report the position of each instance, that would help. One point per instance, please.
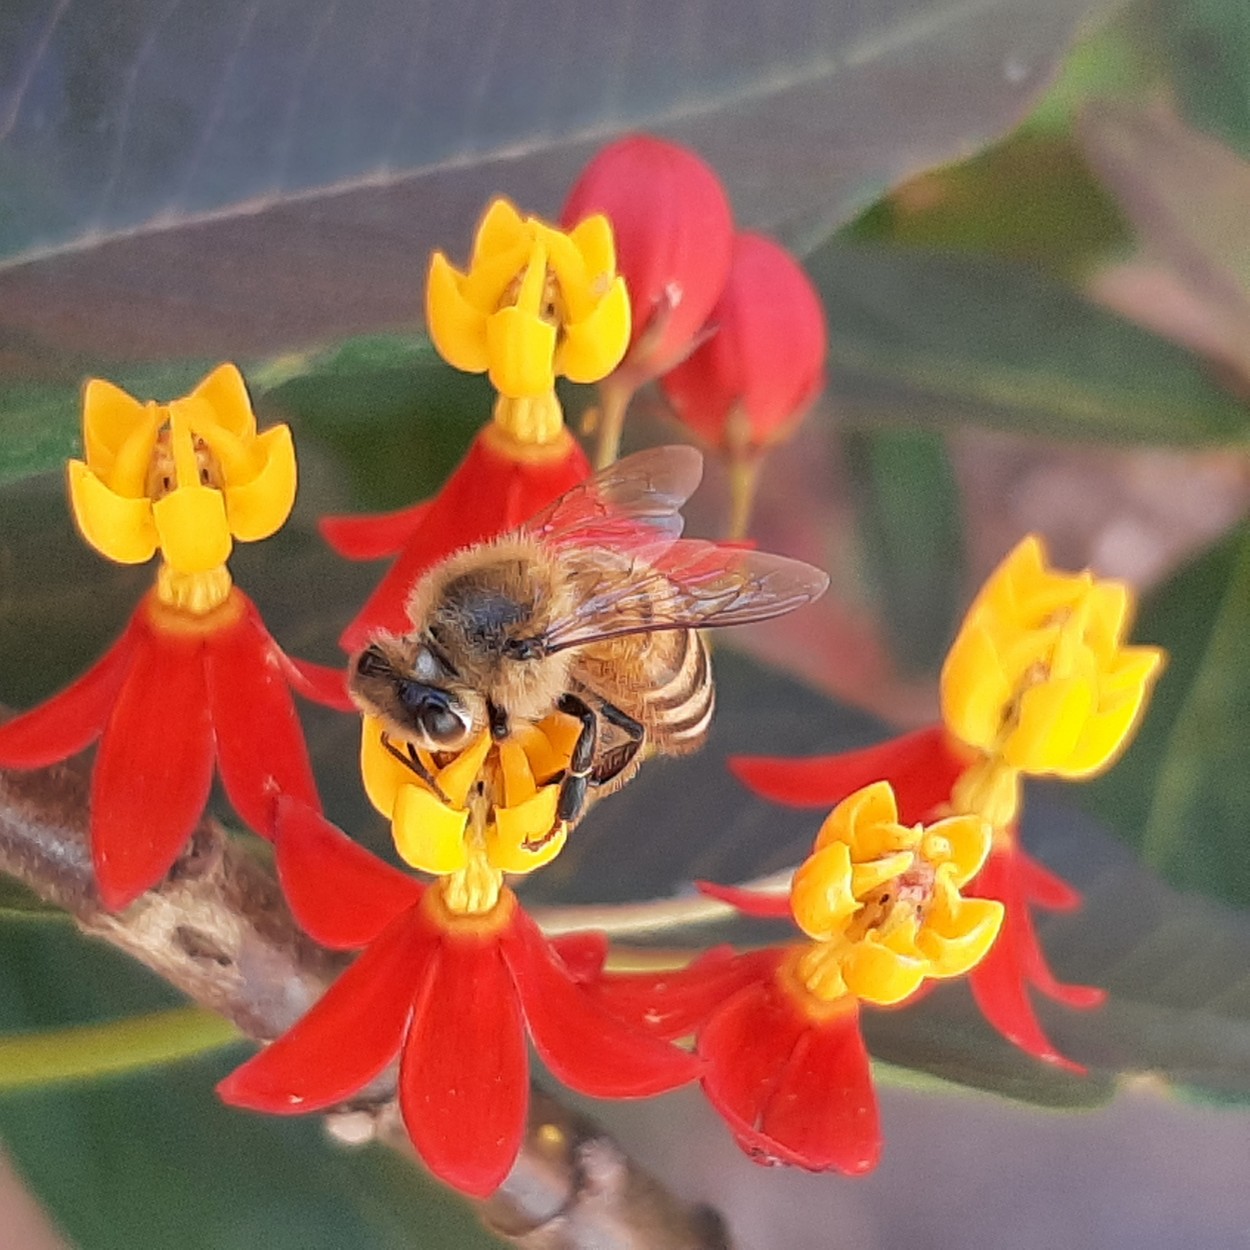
(1182, 793)
(88, 1051)
(908, 512)
(383, 391)
(944, 340)
(258, 179)
(1207, 45)
(18, 903)
(1031, 198)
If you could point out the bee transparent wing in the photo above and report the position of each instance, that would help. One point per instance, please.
(693, 585)
(632, 506)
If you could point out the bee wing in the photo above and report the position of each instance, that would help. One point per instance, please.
(693, 585)
(632, 506)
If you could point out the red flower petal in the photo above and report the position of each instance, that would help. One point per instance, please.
(746, 1045)
(748, 902)
(372, 537)
(1000, 981)
(490, 492)
(71, 720)
(154, 766)
(823, 1114)
(584, 1045)
(318, 683)
(464, 1077)
(342, 896)
(348, 1036)
(999, 989)
(260, 742)
(675, 1004)
(922, 766)
(583, 954)
(1041, 886)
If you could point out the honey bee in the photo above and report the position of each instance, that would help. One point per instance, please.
(591, 608)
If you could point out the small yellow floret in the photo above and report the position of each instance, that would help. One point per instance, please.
(881, 901)
(513, 829)
(185, 478)
(535, 303)
(1038, 676)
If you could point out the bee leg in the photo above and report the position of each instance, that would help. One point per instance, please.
(576, 777)
(624, 756)
(498, 718)
(411, 760)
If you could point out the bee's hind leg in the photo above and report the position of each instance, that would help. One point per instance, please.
(621, 757)
(572, 798)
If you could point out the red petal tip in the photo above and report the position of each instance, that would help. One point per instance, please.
(748, 902)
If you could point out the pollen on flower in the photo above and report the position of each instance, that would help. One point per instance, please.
(534, 303)
(881, 901)
(185, 479)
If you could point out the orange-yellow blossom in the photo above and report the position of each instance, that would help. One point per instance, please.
(1038, 678)
(534, 303)
(881, 901)
(184, 478)
(510, 828)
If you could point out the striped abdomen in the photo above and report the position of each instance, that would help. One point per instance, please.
(677, 710)
(663, 680)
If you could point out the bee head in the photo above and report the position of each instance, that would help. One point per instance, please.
(415, 697)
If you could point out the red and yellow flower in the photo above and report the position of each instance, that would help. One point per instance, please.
(453, 977)
(881, 907)
(534, 303)
(195, 678)
(1038, 682)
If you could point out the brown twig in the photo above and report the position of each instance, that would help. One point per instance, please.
(219, 929)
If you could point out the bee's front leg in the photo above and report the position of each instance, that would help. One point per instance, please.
(572, 798)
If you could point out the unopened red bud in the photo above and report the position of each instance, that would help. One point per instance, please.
(674, 235)
(761, 366)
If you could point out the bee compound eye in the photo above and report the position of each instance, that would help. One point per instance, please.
(433, 713)
(441, 724)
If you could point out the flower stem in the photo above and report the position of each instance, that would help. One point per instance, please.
(614, 404)
(744, 476)
(657, 916)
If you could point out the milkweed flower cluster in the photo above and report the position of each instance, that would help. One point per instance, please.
(195, 680)
(1039, 682)
(880, 908)
(913, 873)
